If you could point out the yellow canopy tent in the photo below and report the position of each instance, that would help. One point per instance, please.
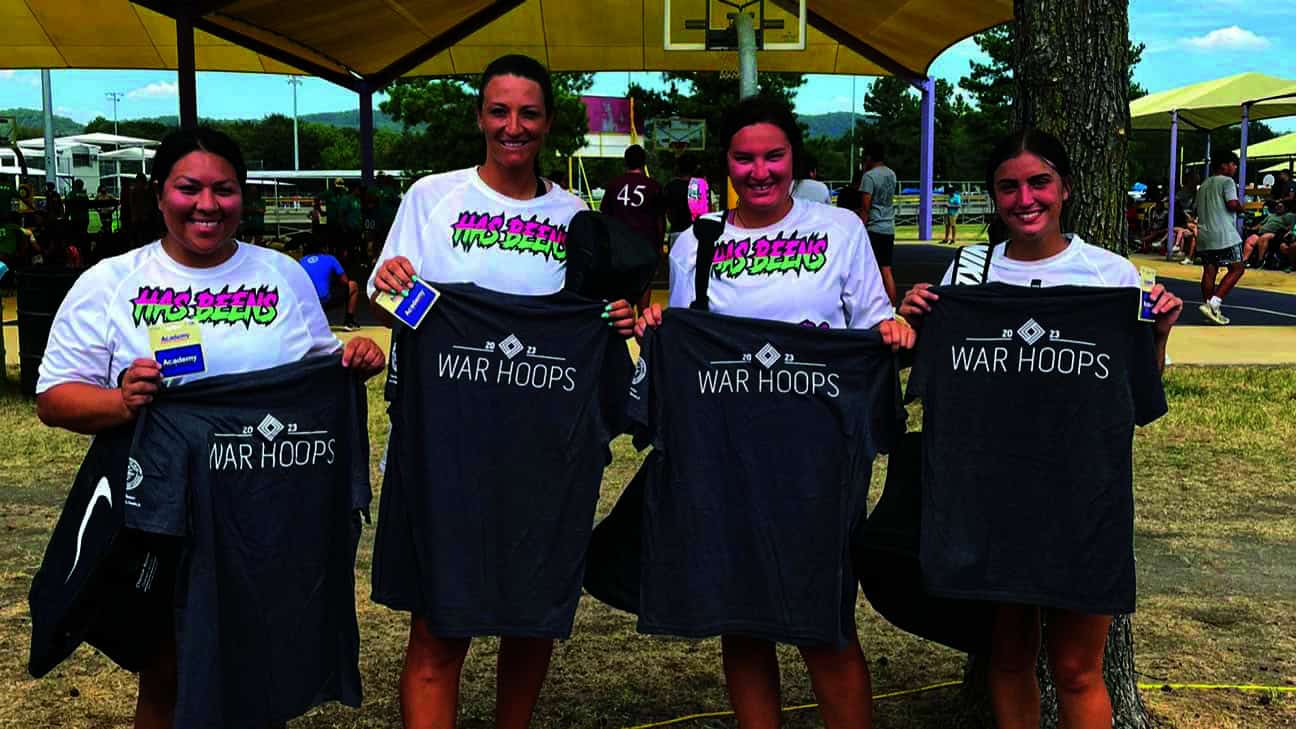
(363, 45)
(1211, 105)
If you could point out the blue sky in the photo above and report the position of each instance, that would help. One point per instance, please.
(1212, 38)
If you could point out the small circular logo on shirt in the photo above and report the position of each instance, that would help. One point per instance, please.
(641, 371)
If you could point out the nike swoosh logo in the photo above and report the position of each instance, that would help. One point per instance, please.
(101, 490)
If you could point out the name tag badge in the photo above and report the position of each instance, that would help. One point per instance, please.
(412, 308)
(178, 348)
(1147, 279)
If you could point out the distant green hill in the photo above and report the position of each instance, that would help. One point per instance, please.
(350, 118)
(32, 119)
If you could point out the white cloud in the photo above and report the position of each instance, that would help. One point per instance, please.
(156, 90)
(1231, 38)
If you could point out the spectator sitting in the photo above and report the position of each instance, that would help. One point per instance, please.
(1276, 225)
(331, 283)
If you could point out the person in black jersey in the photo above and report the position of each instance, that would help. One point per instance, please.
(789, 260)
(1029, 174)
(501, 226)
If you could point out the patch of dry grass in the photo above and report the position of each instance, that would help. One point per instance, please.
(1216, 542)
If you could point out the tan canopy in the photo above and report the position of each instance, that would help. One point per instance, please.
(378, 40)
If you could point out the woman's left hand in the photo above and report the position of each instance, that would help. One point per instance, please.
(363, 355)
(898, 334)
(1166, 308)
(620, 316)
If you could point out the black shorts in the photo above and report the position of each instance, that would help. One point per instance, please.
(883, 246)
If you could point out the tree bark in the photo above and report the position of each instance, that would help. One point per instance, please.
(1071, 68)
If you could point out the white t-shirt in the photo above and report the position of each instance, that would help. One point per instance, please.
(454, 228)
(814, 267)
(1079, 264)
(256, 310)
(812, 190)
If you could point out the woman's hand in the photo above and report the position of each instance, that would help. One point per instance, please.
(363, 355)
(917, 302)
(898, 334)
(650, 317)
(1166, 309)
(395, 275)
(620, 316)
(139, 383)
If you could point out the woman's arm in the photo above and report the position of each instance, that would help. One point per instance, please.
(89, 409)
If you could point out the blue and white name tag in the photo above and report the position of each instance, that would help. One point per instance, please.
(178, 348)
(412, 307)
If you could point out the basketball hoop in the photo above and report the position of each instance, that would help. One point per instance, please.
(679, 147)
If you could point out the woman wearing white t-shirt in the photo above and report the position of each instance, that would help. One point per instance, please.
(1029, 174)
(501, 226)
(763, 142)
(253, 308)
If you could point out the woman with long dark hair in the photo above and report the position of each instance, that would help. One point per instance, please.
(515, 112)
(1029, 174)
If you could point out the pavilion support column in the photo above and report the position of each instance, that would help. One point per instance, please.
(1174, 175)
(926, 159)
(1242, 171)
(47, 112)
(186, 76)
(747, 83)
(1206, 165)
(366, 135)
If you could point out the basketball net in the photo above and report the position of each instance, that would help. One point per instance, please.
(729, 66)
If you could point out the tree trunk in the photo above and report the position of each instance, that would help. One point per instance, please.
(1071, 66)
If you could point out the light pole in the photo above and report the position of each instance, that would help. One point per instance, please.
(295, 82)
(114, 96)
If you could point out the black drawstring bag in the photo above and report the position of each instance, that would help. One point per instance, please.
(607, 259)
(885, 554)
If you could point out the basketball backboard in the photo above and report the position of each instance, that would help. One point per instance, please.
(676, 134)
(707, 25)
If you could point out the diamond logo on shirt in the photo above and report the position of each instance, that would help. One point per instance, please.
(1031, 331)
(511, 346)
(768, 355)
(270, 427)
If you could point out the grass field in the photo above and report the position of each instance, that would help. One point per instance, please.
(1216, 543)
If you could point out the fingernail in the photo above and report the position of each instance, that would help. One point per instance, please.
(404, 292)
(607, 308)
(606, 315)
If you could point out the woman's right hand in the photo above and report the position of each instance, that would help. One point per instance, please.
(649, 317)
(917, 302)
(395, 275)
(139, 383)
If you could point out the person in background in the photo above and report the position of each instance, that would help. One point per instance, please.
(808, 186)
(331, 282)
(1218, 242)
(1282, 188)
(849, 197)
(953, 203)
(1275, 228)
(699, 196)
(678, 212)
(877, 209)
(637, 200)
(254, 210)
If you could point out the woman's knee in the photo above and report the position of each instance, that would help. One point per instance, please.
(1076, 673)
(432, 654)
